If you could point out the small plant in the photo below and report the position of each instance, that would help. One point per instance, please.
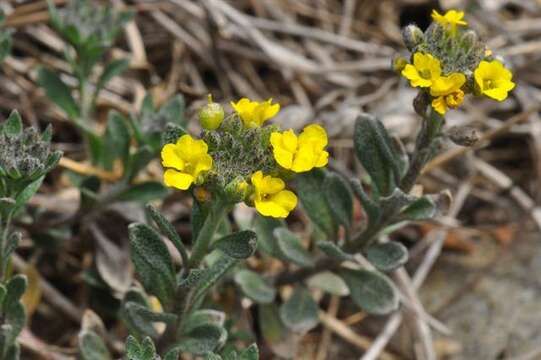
(89, 32)
(25, 158)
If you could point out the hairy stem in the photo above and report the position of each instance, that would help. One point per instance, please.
(201, 244)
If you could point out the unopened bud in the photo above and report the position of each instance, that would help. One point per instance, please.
(237, 190)
(463, 135)
(399, 63)
(421, 102)
(212, 115)
(469, 39)
(412, 36)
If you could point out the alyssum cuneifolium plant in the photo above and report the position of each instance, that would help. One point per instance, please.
(89, 31)
(25, 158)
(449, 62)
(238, 158)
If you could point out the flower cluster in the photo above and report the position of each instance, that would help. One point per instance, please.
(449, 61)
(241, 158)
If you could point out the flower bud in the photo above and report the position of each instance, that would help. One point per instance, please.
(237, 190)
(399, 63)
(212, 115)
(412, 36)
(470, 39)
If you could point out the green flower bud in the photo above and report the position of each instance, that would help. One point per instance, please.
(412, 36)
(212, 115)
(399, 63)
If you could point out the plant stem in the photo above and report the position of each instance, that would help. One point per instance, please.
(201, 244)
(430, 130)
(4, 227)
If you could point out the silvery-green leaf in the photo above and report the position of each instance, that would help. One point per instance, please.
(387, 256)
(340, 198)
(329, 282)
(310, 187)
(255, 287)
(92, 347)
(239, 245)
(375, 151)
(291, 248)
(152, 262)
(371, 291)
(300, 312)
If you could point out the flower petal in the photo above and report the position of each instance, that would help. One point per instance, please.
(176, 179)
(170, 157)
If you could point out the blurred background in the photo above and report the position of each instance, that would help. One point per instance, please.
(325, 61)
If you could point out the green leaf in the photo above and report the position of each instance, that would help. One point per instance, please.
(250, 353)
(300, 312)
(255, 287)
(332, 250)
(329, 282)
(172, 133)
(239, 245)
(274, 332)
(13, 125)
(143, 192)
(138, 161)
(210, 277)
(201, 318)
(292, 249)
(117, 140)
(203, 339)
(92, 346)
(421, 209)
(15, 290)
(340, 198)
(212, 356)
(387, 256)
(24, 196)
(12, 242)
(136, 324)
(168, 230)
(369, 206)
(172, 355)
(152, 262)
(15, 319)
(264, 227)
(371, 291)
(114, 68)
(173, 110)
(375, 151)
(58, 92)
(136, 310)
(310, 187)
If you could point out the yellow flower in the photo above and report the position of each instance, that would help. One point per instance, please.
(450, 20)
(270, 198)
(253, 113)
(424, 71)
(185, 161)
(447, 92)
(301, 153)
(493, 79)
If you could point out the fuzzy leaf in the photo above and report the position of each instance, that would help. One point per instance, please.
(421, 209)
(300, 312)
(167, 229)
(340, 198)
(239, 245)
(333, 250)
(201, 318)
(264, 227)
(255, 287)
(58, 92)
(114, 68)
(375, 151)
(13, 125)
(250, 353)
(371, 291)
(310, 187)
(144, 192)
(117, 140)
(152, 262)
(387, 256)
(92, 346)
(173, 110)
(292, 249)
(24, 196)
(329, 282)
(203, 339)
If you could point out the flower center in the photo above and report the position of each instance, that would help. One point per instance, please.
(425, 74)
(489, 84)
